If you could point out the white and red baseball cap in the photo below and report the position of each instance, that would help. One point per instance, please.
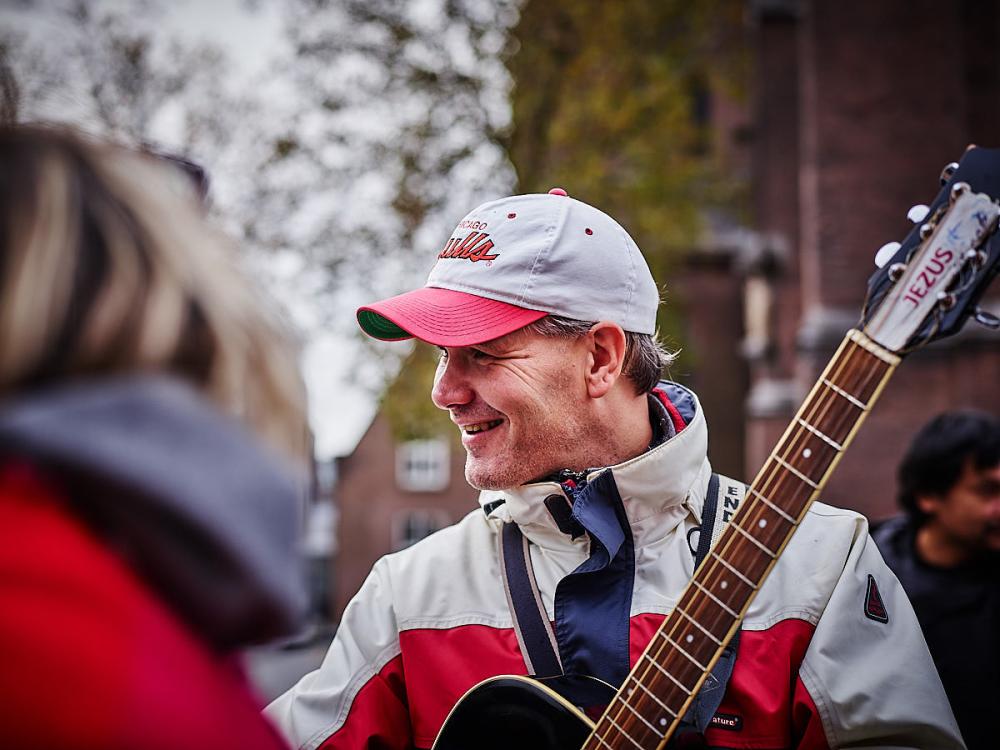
(515, 260)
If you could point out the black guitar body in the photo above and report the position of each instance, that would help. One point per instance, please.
(519, 713)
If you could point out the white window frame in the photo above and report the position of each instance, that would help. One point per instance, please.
(404, 521)
(423, 465)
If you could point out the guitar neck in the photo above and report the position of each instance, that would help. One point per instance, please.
(664, 681)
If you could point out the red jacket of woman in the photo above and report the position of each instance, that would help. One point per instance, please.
(144, 538)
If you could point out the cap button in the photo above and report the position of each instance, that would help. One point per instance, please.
(558, 191)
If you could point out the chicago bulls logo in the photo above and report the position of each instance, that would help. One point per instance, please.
(474, 247)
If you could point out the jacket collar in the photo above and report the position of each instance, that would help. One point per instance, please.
(667, 482)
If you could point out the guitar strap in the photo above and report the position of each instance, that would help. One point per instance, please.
(533, 629)
(534, 632)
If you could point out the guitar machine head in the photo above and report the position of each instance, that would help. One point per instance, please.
(928, 285)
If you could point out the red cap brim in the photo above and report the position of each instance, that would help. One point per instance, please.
(443, 317)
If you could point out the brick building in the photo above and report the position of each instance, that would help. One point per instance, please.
(858, 107)
(855, 108)
(390, 495)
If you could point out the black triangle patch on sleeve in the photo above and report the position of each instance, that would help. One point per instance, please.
(874, 606)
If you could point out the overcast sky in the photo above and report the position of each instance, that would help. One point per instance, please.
(341, 407)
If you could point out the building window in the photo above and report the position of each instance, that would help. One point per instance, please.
(422, 465)
(411, 526)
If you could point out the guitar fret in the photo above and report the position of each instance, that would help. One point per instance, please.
(841, 392)
(683, 651)
(736, 573)
(796, 472)
(773, 507)
(714, 598)
(625, 734)
(825, 438)
(652, 695)
(739, 529)
(641, 718)
(860, 368)
(669, 676)
(698, 625)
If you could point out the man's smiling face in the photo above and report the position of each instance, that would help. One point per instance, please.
(521, 404)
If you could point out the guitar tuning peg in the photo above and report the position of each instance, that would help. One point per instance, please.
(885, 253)
(986, 319)
(977, 258)
(918, 213)
(948, 171)
(946, 300)
(896, 271)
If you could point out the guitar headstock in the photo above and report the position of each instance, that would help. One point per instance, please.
(932, 283)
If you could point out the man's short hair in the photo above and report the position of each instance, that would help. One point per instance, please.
(645, 356)
(936, 457)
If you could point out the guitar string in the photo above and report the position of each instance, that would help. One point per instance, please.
(865, 374)
(662, 631)
(819, 407)
(869, 372)
(792, 446)
(879, 370)
(775, 480)
(643, 673)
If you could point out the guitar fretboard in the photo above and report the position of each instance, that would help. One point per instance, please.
(667, 676)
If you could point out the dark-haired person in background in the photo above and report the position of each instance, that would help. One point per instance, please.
(945, 550)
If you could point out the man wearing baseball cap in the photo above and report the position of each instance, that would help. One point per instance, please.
(594, 485)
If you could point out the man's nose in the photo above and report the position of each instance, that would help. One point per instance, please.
(451, 385)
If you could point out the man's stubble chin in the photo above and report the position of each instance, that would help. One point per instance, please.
(483, 478)
(531, 463)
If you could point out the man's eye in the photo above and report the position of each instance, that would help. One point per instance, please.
(481, 356)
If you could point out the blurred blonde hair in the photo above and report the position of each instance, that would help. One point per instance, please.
(108, 266)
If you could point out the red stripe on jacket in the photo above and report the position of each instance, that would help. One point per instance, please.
(461, 657)
(406, 703)
(379, 715)
(772, 713)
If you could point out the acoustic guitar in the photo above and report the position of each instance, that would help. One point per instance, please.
(926, 288)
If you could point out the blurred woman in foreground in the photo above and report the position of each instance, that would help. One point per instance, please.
(145, 535)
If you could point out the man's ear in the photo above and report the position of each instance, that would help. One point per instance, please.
(929, 505)
(606, 356)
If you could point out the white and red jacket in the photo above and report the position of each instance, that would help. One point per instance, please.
(815, 668)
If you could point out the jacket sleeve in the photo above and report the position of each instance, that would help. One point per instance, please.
(867, 678)
(357, 698)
